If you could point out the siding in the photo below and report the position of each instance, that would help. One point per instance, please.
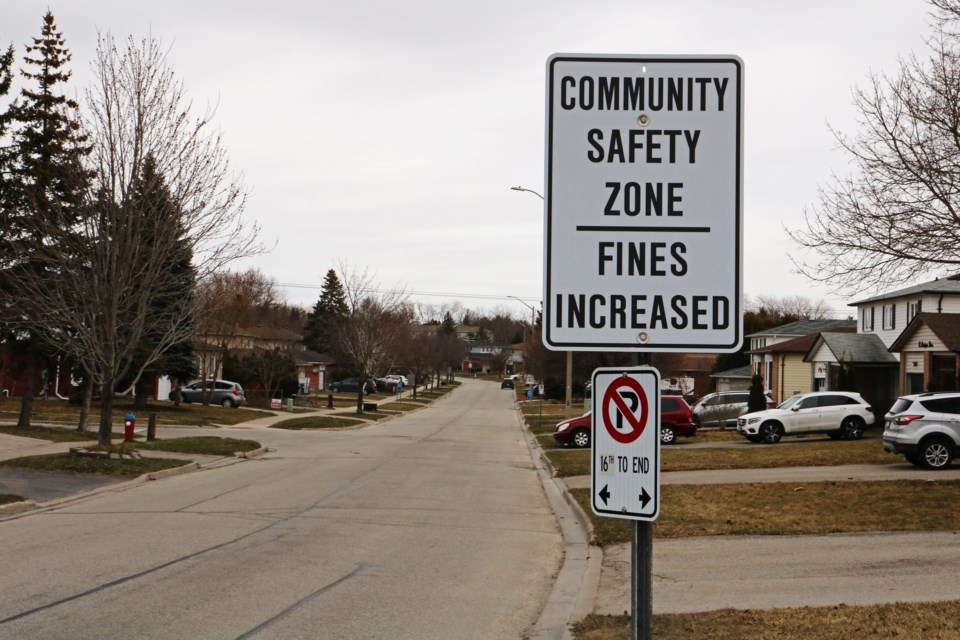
(797, 376)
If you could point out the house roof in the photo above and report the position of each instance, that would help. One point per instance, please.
(801, 344)
(311, 357)
(804, 328)
(857, 348)
(949, 284)
(946, 326)
(270, 333)
(740, 372)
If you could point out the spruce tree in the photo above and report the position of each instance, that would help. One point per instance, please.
(44, 175)
(757, 401)
(331, 306)
(152, 205)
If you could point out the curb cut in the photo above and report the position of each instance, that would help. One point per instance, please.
(175, 471)
(14, 508)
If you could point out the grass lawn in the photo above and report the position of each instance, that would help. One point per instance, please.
(53, 434)
(932, 620)
(791, 508)
(64, 463)
(317, 422)
(797, 453)
(8, 498)
(196, 415)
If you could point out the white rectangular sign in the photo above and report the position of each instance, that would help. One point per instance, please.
(625, 469)
(643, 206)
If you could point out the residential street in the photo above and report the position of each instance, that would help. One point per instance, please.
(430, 525)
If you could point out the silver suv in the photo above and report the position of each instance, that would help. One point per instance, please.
(925, 428)
(225, 393)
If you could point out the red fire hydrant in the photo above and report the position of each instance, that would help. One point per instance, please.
(129, 422)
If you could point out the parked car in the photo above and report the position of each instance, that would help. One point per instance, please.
(394, 378)
(225, 393)
(348, 385)
(925, 428)
(575, 431)
(676, 419)
(507, 383)
(724, 407)
(839, 414)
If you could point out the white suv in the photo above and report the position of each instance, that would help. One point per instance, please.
(839, 414)
(925, 428)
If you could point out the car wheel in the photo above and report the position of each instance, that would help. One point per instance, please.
(852, 428)
(667, 434)
(914, 460)
(771, 432)
(227, 403)
(580, 438)
(935, 454)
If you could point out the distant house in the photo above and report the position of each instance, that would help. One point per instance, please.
(770, 363)
(929, 349)
(733, 379)
(789, 373)
(875, 368)
(887, 315)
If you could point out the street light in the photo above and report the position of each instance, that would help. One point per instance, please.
(519, 188)
(569, 390)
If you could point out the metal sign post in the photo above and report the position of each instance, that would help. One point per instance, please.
(625, 474)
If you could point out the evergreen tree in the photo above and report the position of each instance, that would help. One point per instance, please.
(757, 400)
(448, 327)
(44, 175)
(153, 205)
(331, 306)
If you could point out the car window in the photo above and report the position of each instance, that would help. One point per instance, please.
(942, 405)
(789, 402)
(831, 401)
(740, 397)
(223, 385)
(901, 405)
(669, 404)
(808, 403)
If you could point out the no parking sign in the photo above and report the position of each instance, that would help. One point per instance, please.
(625, 475)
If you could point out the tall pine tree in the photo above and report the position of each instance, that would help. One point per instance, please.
(45, 174)
(331, 306)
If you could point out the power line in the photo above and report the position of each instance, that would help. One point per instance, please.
(439, 294)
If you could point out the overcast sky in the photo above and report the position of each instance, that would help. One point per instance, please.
(388, 134)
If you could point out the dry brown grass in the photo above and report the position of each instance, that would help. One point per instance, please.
(926, 620)
(781, 508)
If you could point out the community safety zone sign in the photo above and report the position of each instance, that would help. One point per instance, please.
(625, 468)
(643, 203)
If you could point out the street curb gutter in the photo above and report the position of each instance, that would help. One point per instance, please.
(578, 580)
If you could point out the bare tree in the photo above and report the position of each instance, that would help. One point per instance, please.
(793, 306)
(368, 337)
(99, 309)
(897, 216)
(228, 302)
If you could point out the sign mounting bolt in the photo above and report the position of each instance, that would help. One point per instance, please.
(643, 120)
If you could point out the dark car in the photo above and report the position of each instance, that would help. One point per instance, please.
(224, 393)
(507, 383)
(348, 385)
(676, 419)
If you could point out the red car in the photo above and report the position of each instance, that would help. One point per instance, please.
(676, 419)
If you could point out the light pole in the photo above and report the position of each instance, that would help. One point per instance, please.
(533, 321)
(569, 390)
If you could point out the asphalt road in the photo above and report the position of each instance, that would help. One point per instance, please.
(432, 525)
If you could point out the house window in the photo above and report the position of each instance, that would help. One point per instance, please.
(913, 308)
(867, 324)
(889, 316)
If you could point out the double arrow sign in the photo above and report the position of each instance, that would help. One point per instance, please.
(644, 497)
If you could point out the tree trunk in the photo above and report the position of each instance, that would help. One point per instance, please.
(29, 391)
(140, 393)
(360, 399)
(106, 414)
(85, 406)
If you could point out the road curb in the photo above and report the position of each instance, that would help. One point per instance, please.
(577, 583)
